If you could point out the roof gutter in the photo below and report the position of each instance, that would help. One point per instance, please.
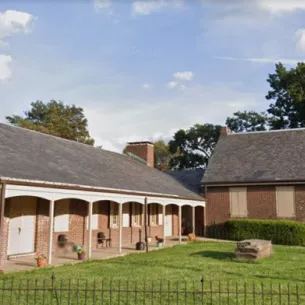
(39, 183)
(233, 183)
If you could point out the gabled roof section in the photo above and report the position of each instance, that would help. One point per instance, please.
(190, 178)
(266, 156)
(31, 155)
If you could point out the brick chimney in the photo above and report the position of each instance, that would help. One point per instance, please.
(225, 130)
(144, 150)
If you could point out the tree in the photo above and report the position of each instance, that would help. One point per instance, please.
(56, 119)
(162, 155)
(193, 147)
(288, 92)
(247, 121)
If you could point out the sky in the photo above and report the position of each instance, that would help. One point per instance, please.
(141, 70)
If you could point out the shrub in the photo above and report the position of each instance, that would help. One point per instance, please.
(283, 232)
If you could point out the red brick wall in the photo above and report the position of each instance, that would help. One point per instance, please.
(42, 226)
(218, 205)
(261, 202)
(300, 202)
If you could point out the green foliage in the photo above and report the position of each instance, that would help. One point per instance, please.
(284, 232)
(288, 92)
(162, 155)
(193, 147)
(247, 121)
(57, 119)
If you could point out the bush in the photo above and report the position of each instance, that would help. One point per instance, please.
(282, 232)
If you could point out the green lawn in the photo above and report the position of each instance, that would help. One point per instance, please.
(167, 276)
(214, 261)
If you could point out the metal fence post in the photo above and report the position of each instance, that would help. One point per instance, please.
(202, 290)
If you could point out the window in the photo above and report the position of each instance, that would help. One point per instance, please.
(136, 214)
(155, 214)
(285, 203)
(61, 216)
(238, 202)
(94, 219)
(114, 215)
(126, 215)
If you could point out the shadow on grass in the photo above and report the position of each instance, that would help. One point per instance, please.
(218, 255)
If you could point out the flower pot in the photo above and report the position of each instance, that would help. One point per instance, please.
(81, 256)
(41, 263)
(159, 244)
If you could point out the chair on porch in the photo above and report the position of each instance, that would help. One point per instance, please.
(101, 239)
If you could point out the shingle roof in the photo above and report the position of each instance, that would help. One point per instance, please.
(30, 155)
(258, 156)
(190, 178)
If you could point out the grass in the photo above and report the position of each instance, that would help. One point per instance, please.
(213, 261)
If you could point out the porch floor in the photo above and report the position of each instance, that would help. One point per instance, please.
(28, 263)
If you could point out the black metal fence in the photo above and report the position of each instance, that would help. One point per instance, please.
(94, 292)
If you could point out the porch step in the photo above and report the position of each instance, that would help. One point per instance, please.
(16, 256)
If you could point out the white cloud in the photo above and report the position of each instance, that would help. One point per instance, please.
(263, 60)
(187, 75)
(14, 22)
(147, 86)
(5, 67)
(148, 7)
(300, 37)
(172, 84)
(101, 4)
(281, 6)
(152, 6)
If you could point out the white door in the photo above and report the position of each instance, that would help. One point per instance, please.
(22, 226)
(168, 221)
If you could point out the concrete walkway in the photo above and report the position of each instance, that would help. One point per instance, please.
(28, 263)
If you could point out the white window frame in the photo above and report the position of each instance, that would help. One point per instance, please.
(281, 191)
(153, 214)
(137, 215)
(114, 215)
(62, 222)
(237, 196)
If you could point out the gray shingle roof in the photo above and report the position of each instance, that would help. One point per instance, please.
(190, 178)
(258, 156)
(26, 154)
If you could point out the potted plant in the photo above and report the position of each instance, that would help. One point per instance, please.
(81, 253)
(41, 259)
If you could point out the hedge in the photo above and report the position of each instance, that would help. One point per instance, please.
(283, 232)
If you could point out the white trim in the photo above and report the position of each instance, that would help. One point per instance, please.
(89, 196)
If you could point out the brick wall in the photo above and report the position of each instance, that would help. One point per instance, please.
(218, 205)
(42, 226)
(261, 203)
(144, 151)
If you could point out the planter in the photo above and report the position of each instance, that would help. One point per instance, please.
(81, 256)
(159, 244)
(41, 263)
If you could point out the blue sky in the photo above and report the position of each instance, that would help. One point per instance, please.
(143, 69)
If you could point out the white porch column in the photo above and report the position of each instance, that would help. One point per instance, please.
(120, 228)
(90, 208)
(51, 223)
(164, 230)
(179, 221)
(193, 219)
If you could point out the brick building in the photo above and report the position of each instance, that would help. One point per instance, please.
(257, 175)
(52, 186)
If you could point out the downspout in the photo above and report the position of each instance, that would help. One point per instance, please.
(2, 208)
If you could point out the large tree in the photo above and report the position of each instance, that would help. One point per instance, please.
(57, 119)
(288, 93)
(162, 155)
(247, 121)
(193, 147)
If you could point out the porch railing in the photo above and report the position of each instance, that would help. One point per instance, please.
(93, 292)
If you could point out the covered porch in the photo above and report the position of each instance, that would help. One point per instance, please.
(33, 219)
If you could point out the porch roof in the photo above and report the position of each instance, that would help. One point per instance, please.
(30, 155)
